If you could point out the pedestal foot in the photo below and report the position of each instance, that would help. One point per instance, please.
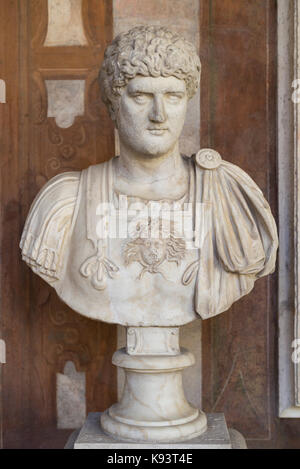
(167, 434)
(153, 407)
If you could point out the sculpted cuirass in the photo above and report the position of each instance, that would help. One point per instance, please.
(151, 282)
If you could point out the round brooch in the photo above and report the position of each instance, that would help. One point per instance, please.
(208, 159)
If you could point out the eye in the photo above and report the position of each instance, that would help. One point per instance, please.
(140, 98)
(174, 97)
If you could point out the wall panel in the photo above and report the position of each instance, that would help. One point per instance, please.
(42, 333)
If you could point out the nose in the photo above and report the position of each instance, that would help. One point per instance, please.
(157, 113)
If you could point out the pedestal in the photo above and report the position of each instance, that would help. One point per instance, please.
(153, 411)
(153, 407)
(91, 436)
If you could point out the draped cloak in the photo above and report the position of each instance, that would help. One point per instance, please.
(60, 243)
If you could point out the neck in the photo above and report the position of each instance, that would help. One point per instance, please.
(145, 169)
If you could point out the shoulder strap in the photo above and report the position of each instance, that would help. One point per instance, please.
(98, 186)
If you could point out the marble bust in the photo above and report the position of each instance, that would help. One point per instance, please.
(139, 280)
(146, 79)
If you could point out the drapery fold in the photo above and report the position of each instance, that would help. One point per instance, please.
(237, 231)
(241, 240)
(48, 223)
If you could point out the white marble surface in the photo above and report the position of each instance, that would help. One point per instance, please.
(153, 341)
(187, 23)
(142, 278)
(91, 436)
(154, 274)
(153, 406)
(57, 245)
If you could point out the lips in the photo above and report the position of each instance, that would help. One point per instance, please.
(154, 131)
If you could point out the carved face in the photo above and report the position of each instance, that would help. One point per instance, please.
(153, 250)
(151, 114)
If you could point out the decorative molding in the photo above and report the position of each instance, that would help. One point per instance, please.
(289, 208)
(297, 196)
(153, 341)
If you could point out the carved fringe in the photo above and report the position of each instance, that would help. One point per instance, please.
(43, 258)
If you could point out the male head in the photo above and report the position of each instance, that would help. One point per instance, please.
(147, 76)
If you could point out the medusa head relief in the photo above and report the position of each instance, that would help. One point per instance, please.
(151, 251)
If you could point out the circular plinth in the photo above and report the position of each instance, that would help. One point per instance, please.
(166, 434)
(153, 406)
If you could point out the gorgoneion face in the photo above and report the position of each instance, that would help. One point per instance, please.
(151, 114)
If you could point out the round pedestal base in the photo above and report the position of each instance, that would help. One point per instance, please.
(153, 406)
(166, 434)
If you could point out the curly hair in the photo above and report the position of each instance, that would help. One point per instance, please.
(148, 51)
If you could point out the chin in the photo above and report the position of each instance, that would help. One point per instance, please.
(155, 150)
